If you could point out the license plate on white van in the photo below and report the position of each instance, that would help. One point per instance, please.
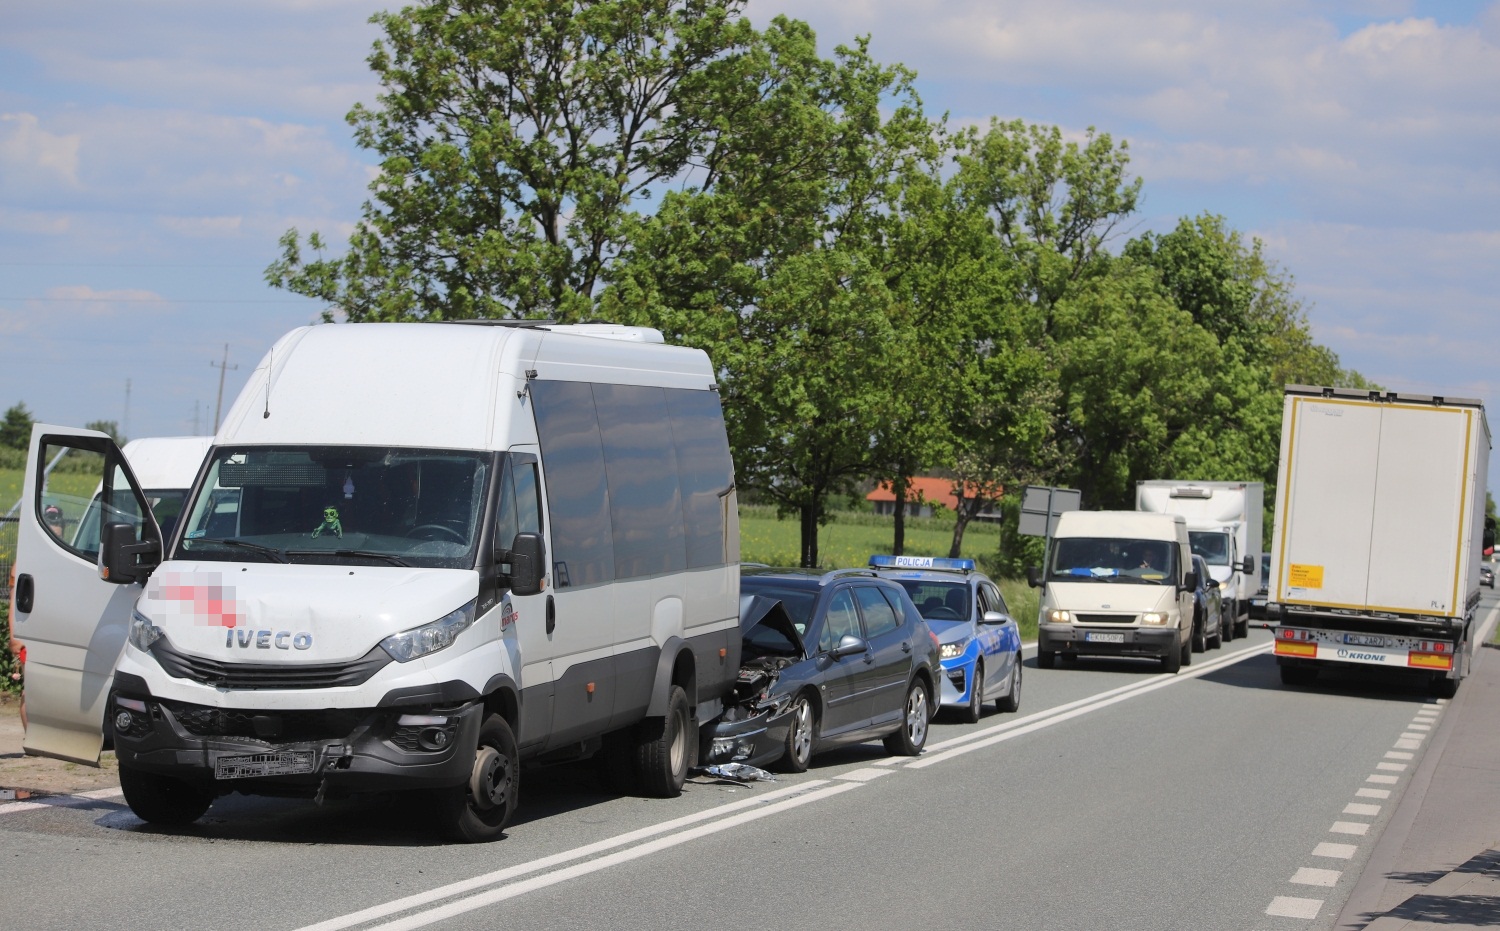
(1095, 636)
(282, 763)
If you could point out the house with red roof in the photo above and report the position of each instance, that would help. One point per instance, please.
(922, 493)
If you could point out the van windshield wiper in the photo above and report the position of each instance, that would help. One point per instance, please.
(275, 554)
(367, 554)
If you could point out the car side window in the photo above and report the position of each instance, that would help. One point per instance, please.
(879, 618)
(983, 598)
(996, 600)
(841, 621)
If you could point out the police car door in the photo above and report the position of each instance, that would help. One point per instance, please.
(72, 621)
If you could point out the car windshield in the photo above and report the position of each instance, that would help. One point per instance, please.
(1212, 545)
(798, 602)
(1113, 559)
(325, 505)
(939, 601)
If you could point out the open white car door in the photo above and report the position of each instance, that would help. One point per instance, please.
(72, 621)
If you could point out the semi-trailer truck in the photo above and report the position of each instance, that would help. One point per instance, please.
(1380, 502)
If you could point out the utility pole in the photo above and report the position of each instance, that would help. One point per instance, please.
(222, 367)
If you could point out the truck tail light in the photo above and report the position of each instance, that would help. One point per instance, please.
(1292, 633)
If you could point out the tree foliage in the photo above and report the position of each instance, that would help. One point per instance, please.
(15, 429)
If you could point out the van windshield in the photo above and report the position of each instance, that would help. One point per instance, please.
(339, 505)
(1113, 559)
(1212, 545)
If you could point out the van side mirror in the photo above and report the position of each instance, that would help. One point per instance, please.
(1034, 576)
(1249, 567)
(1190, 581)
(528, 557)
(123, 558)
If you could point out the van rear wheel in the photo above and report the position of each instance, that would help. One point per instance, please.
(665, 748)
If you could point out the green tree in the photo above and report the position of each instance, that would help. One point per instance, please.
(15, 429)
(788, 269)
(516, 137)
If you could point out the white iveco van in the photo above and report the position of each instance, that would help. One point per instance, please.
(1117, 583)
(416, 555)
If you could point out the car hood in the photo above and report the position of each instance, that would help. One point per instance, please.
(765, 611)
(951, 631)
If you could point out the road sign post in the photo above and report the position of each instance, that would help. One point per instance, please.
(1041, 505)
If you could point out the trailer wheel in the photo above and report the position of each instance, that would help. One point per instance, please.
(1443, 687)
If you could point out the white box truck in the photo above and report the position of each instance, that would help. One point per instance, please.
(415, 556)
(1225, 522)
(1380, 503)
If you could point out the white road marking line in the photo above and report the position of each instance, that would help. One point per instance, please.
(1004, 732)
(1413, 735)
(1308, 876)
(1398, 755)
(443, 912)
(863, 775)
(1372, 793)
(61, 801)
(1408, 744)
(1355, 808)
(1419, 727)
(1285, 906)
(1392, 767)
(488, 879)
(1383, 780)
(1336, 851)
(1350, 827)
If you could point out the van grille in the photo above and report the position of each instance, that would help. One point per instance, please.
(1104, 618)
(275, 726)
(200, 669)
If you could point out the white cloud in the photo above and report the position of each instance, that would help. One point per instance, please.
(30, 155)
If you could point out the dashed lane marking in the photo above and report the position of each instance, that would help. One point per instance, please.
(1350, 827)
(1310, 876)
(1335, 851)
(1285, 906)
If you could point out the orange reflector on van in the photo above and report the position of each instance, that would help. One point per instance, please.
(1293, 648)
(1430, 660)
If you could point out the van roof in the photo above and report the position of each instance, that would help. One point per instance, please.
(1118, 524)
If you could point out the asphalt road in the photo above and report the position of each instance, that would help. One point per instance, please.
(1118, 798)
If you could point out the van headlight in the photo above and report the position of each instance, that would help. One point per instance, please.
(143, 633)
(429, 638)
(1056, 616)
(1154, 618)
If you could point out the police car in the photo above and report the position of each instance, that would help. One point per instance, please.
(980, 643)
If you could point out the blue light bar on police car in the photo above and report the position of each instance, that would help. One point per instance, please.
(921, 562)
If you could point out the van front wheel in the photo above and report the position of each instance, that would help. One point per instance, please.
(665, 748)
(159, 799)
(479, 810)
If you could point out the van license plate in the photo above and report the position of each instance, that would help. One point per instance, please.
(1364, 640)
(282, 763)
(1096, 637)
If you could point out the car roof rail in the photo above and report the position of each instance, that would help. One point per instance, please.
(840, 573)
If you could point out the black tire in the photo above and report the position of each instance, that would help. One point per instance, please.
(1045, 659)
(1298, 675)
(1171, 661)
(1217, 640)
(478, 811)
(1187, 653)
(916, 721)
(1443, 687)
(665, 748)
(1242, 627)
(800, 737)
(1226, 633)
(974, 710)
(1010, 702)
(166, 800)
(1200, 635)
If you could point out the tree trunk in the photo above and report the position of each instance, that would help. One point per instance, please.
(967, 508)
(808, 514)
(898, 546)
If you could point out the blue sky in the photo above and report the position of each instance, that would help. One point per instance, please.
(152, 153)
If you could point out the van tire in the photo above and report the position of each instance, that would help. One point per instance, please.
(1045, 659)
(665, 747)
(478, 810)
(1171, 661)
(1242, 627)
(167, 800)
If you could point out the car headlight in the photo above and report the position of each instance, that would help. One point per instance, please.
(429, 638)
(954, 649)
(143, 633)
(1059, 617)
(1154, 618)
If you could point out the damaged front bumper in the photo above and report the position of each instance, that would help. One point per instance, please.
(755, 738)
